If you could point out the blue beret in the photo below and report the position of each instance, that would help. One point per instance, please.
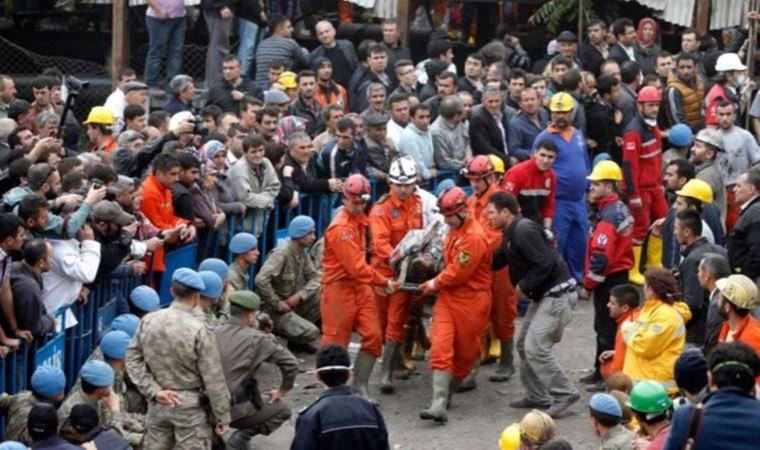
(189, 278)
(243, 243)
(443, 185)
(48, 381)
(114, 344)
(128, 323)
(599, 158)
(145, 298)
(12, 445)
(213, 284)
(215, 265)
(605, 404)
(300, 226)
(97, 373)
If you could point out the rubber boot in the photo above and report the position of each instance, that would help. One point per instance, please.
(494, 351)
(362, 370)
(470, 383)
(634, 275)
(654, 251)
(506, 368)
(453, 387)
(404, 362)
(437, 410)
(421, 342)
(390, 355)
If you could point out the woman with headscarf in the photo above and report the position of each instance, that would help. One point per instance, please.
(647, 35)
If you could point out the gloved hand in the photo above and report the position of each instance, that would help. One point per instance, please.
(549, 234)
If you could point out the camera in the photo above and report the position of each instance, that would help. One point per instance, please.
(97, 184)
(74, 85)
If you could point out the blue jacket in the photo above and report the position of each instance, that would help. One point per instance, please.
(571, 166)
(522, 133)
(340, 419)
(730, 421)
(54, 443)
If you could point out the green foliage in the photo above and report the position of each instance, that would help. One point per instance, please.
(554, 12)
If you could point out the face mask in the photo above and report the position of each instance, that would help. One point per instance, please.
(740, 80)
(651, 122)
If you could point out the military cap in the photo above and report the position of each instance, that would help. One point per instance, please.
(300, 226)
(145, 298)
(213, 282)
(246, 300)
(128, 323)
(114, 344)
(48, 381)
(215, 265)
(189, 278)
(243, 243)
(605, 404)
(97, 373)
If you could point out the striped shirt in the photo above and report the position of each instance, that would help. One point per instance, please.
(278, 48)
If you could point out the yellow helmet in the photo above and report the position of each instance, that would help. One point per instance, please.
(510, 438)
(498, 163)
(606, 171)
(288, 80)
(537, 427)
(562, 102)
(100, 115)
(698, 189)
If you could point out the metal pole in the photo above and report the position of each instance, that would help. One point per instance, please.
(580, 24)
(753, 6)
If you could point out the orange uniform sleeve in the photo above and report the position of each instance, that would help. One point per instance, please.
(158, 216)
(463, 262)
(380, 227)
(346, 247)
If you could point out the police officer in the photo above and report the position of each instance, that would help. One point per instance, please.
(48, 384)
(173, 359)
(243, 349)
(208, 307)
(245, 251)
(289, 285)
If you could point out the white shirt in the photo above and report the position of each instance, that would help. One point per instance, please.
(74, 264)
(394, 132)
(746, 204)
(422, 77)
(116, 102)
(630, 51)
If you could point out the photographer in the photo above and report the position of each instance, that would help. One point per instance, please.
(34, 211)
(132, 161)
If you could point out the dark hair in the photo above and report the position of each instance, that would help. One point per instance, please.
(397, 98)
(345, 124)
(684, 168)
(30, 207)
(477, 56)
(725, 104)
(753, 177)
(572, 80)
(418, 107)
(157, 119)
(605, 84)
(104, 173)
(306, 74)
(329, 110)
(558, 444)
(333, 355)
(438, 47)
(35, 250)
(504, 200)
(597, 22)
(213, 111)
(277, 63)
(72, 180)
(626, 295)
(693, 31)
(734, 365)
(271, 111)
(250, 142)
(18, 108)
(276, 21)
(607, 420)
(686, 57)
(125, 72)
(629, 72)
(548, 144)
(165, 162)
(13, 139)
(133, 111)
(246, 102)
(561, 61)
(690, 220)
(446, 75)
(188, 161)
(182, 291)
(274, 152)
(232, 57)
(42, 422)
(376, 48)
(663, 283)
(403, 63)
(235, 129)
(517, 74)
(494, 52)
(435, 67)
(89, 388)
(41, 82)
(362, 50)
(9, 225)
(619, 26)
(67, 165)
(19, 169)
(662, 54)
(215, 137)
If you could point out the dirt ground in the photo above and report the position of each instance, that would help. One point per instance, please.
(476, 418)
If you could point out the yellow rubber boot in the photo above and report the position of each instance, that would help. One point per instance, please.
(634, 275)
(654, 251)
(494, 350)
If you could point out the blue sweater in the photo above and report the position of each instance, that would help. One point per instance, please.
(571, 166)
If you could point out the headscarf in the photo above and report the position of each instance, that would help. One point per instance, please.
(640, 32)
(289, 125)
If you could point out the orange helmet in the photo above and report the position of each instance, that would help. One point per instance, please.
(479, 167)
(649, 94)
(357, 189)
(452, 200)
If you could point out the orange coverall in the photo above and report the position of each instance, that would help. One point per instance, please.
(157, 206)
(389, 221)
(347, 297)
(460, 316)
(616, 363)
(504, 308)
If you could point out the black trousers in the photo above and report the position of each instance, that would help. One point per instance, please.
(605, 326)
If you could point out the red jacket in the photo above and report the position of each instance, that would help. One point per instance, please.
(534, 189)
(610, 247)
(157, 207)
(642, 157)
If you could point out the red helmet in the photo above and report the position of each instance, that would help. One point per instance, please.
(357, 189)
(451, 201)
(649, 94)
(479, 167)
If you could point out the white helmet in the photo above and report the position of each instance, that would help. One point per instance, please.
(729, 61)
(403, 171)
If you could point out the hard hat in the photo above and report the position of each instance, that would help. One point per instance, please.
(288, 80)
(698, 189)
(537, 427)
(606, 171)
(649, 397)
(710, 137)
(100, 115)
(498, 163)
(357, 188)
(599, 158)
(403, 170)
(649, 94)
(739, 290)
(510, 438)
(562, 102)
(479, 167)
(680, 135)
(451, 201)
(729, 61)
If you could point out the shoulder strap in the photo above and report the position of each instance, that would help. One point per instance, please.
(695, 425)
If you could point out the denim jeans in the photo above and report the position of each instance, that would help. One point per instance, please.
(165, 40)
(248, 33)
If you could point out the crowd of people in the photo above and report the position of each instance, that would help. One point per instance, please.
(616, 173)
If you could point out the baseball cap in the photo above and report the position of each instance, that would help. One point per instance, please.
(109, 211)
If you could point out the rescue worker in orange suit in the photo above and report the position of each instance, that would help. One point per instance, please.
(642, 169)
(348, 302)
(461, 313)
(480, 172)
(534, 184)
(609, 254)
(394, 214)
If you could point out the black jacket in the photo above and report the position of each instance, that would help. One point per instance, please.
(27, 301)
(618, 53)
(485, 135)
(338, 420)
(221, 94)
(308, 181)
(465, 84)
(601, 127)
(744, 242)
(113, 251)
(591, 59)
(133, 164)
(107, 438)
(534, 265)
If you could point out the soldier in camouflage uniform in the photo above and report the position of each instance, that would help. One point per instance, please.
(48, 385)
(208, 308)
(245, 251)
(243, 349)
(290, 288)
(174, 361)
